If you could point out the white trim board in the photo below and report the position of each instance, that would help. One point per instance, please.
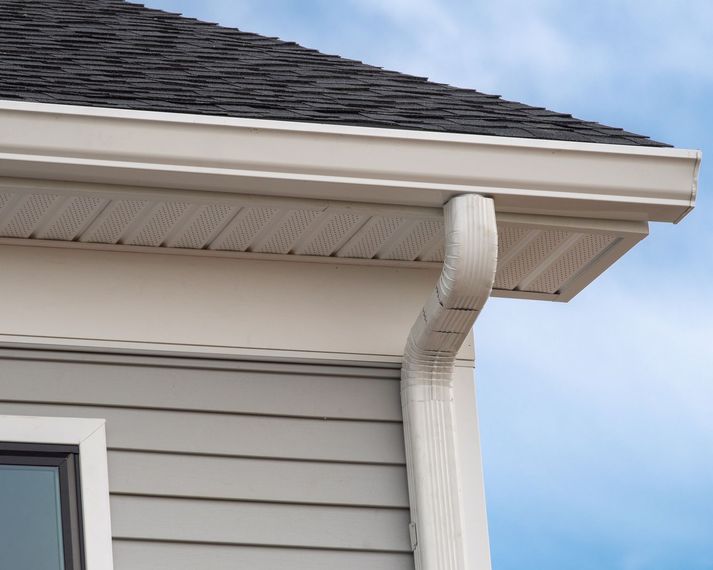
(207, 301)
(465, 357)
(89, 435)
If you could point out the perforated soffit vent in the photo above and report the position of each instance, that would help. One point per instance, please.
(539, 258)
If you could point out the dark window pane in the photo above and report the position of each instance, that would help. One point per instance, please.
(30, 518)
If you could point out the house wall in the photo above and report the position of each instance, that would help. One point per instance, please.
(230, 464)
(252, 407)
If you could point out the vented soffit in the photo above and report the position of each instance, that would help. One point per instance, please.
(540, 257)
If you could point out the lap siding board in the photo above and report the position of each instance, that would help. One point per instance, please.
(218, 464)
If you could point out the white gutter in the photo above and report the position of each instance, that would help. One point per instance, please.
(427, 375)
(305, 160)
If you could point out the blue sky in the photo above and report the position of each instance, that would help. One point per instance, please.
(597, 415)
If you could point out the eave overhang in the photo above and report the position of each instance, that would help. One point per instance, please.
(565, 210)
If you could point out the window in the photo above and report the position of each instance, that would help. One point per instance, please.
(40, 523)
(54, 494)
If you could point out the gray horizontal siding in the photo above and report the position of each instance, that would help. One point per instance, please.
(257, 479)
(255, 388)
(233, 522)
(236, 435)
(143, 555)
(225, 464)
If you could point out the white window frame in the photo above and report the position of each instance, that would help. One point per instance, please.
(90, 436)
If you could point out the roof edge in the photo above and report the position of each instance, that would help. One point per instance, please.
(330, 128)
(315, 160)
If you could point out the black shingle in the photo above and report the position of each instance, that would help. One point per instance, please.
(111, 53)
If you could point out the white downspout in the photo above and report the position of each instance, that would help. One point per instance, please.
(427, 382)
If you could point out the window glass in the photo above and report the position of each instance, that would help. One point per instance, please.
(30, 518)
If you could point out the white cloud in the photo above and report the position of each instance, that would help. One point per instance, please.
(554, 50)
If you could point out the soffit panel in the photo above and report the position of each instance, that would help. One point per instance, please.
(540, 257)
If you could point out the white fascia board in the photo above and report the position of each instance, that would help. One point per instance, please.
(306, 160)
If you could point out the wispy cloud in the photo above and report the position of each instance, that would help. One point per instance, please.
(552, 50)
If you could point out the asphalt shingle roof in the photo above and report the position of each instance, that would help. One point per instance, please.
(111, 53)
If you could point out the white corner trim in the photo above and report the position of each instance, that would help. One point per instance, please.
(470, 467)
(427, 382)
(89, 435)
(311, 160)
